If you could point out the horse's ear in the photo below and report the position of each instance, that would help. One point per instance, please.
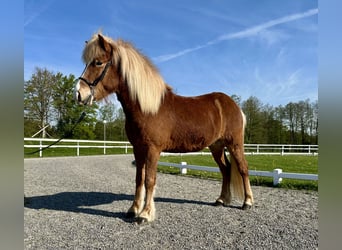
(104, 44)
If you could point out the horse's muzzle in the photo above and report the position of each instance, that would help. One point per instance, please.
(78, 97)
(86, 101)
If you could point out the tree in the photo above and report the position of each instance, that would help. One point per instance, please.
(236, 98)
(32, 128)
(254, 130)
(291, 121)
(67, 112)
(314, 123)
(38, 99)
(115, 123)
(49, 100)
(304, 115)
(270, 124)
(300, 119)
(107, 112)
(279, 116)
(119, 125)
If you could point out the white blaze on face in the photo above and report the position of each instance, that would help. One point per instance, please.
(77, 88)
(77, 93)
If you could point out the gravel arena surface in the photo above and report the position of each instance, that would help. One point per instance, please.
(80, 203)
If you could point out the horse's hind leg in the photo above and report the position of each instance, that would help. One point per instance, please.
(217, 150)
(151, 161)
(238, 161)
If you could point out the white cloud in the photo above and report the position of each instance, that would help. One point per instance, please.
(248, 32)
(33, 14)
(168, 57)
(280, 89)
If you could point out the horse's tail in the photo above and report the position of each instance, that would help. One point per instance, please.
(236, 181)
(244, 122)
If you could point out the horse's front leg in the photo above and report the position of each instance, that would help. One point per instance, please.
(138, 202)
(148, 213)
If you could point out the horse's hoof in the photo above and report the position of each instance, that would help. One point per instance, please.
(141, 220)
(246, 206)
(218, 203)
(130, 215)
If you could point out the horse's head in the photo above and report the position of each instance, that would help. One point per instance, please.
(98, 79)
(117, 67)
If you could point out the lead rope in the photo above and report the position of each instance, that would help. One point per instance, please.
(63, 137)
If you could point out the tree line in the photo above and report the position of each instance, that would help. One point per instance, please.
(294, 123)
(50, 111)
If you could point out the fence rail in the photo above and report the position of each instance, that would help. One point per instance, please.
(76, 144)
(270, 149)
(277, 174)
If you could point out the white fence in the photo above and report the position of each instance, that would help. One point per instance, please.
(253, 149)
(282, 149)
(40, 143)
(276, 174)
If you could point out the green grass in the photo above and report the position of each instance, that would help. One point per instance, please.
(288, 163)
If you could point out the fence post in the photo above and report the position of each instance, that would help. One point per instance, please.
(78, 148)
(183, 169)
(40, 151)
(126, 148)
(276, 179)
(282, 149)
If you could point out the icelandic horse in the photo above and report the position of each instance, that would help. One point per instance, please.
(159, 120)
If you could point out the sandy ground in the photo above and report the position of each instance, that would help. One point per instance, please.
(80, 203)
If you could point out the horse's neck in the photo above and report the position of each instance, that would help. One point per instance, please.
(130, 108)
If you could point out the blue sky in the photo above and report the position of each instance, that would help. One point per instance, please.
(266, 49)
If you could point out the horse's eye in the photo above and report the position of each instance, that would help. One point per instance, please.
(98, 63)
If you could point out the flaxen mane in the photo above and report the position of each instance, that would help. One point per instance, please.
(143, 79)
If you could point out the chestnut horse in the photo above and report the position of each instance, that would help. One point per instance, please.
(159, 120)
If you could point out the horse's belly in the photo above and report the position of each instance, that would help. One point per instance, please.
(187, 143)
